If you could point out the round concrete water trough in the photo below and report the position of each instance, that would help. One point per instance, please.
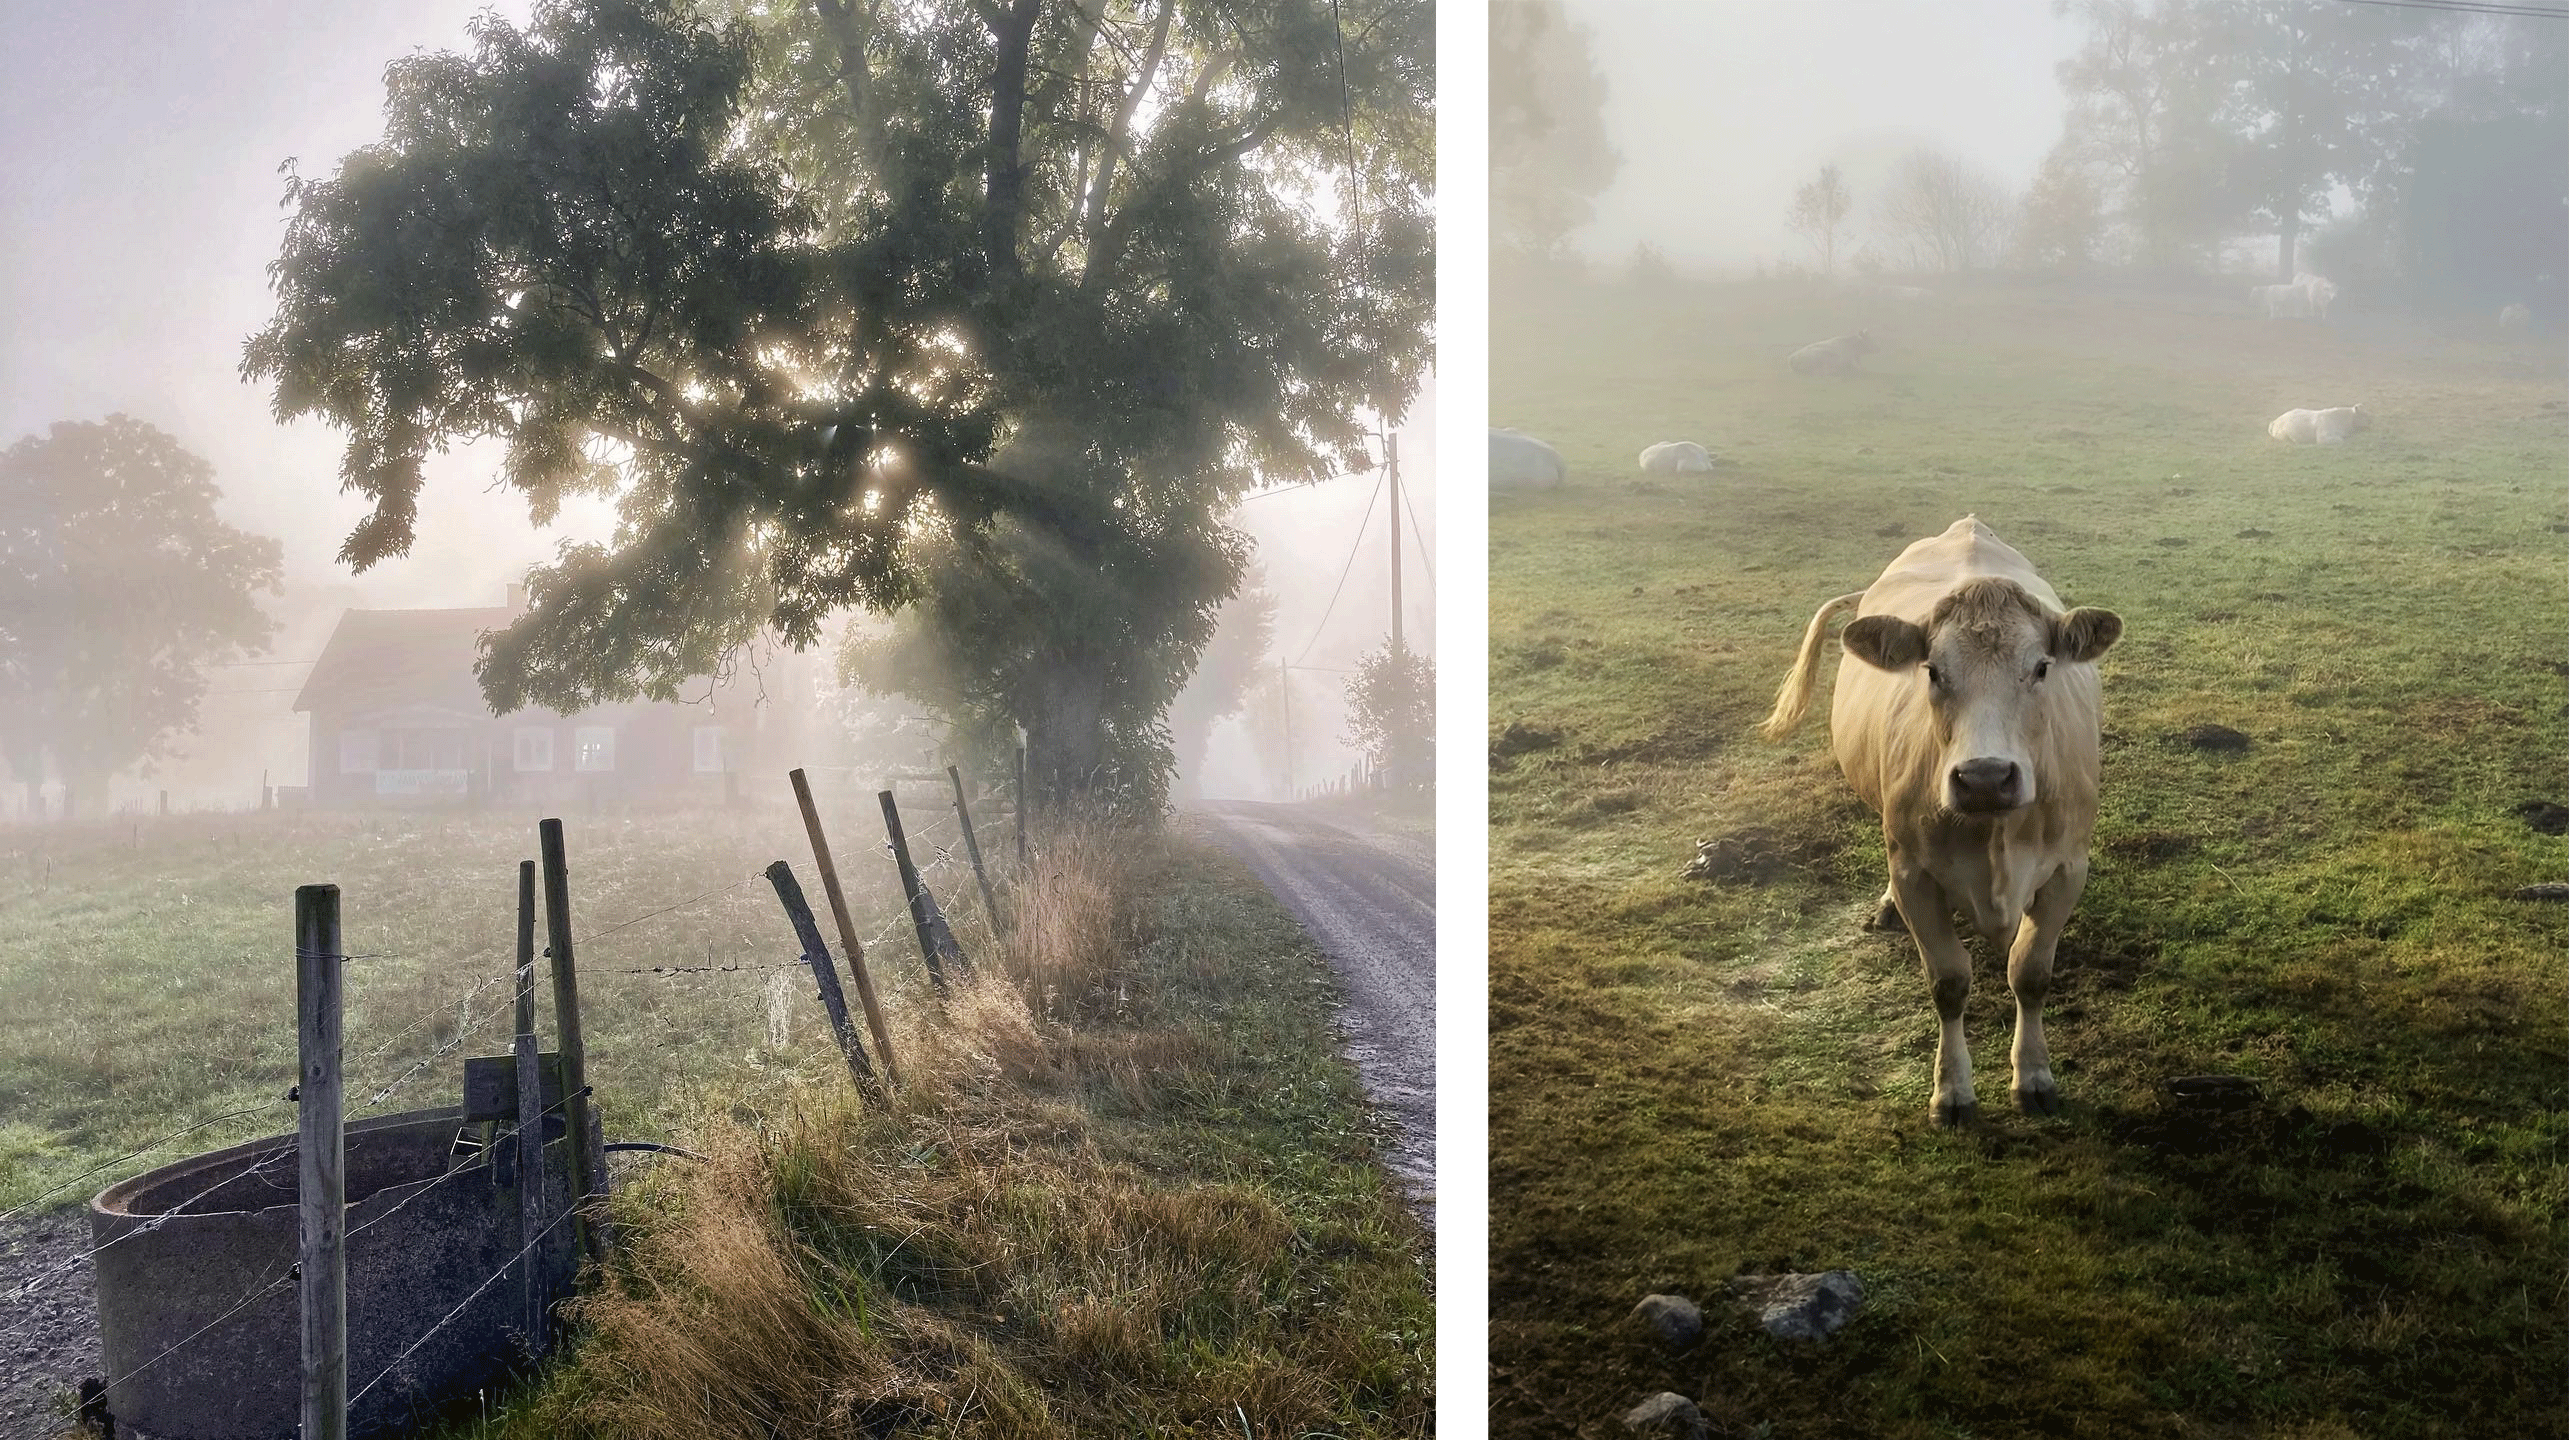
(184, 1244)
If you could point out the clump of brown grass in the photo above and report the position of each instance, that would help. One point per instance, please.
(1072, 921)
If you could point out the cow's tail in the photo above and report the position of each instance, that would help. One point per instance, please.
(1794, 700)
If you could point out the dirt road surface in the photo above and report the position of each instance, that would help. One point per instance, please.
(1368, 900)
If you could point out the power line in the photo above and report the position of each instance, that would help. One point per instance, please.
(242, 664)
(1343, 570)
(2472, 7)
(1418, 537)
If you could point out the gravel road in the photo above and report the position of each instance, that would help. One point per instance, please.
(1369, 901)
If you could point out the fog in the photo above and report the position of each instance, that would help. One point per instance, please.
(1721, 109)
(140, 145)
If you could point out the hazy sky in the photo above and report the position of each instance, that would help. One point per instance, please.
(1722, 107)
(139, 150)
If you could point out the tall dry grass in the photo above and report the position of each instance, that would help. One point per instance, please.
(992, 1256)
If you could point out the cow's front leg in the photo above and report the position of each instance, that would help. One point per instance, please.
(1931, 923)
(2029, 975)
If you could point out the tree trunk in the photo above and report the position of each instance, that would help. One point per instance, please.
(1065, 737)
(2287, 242)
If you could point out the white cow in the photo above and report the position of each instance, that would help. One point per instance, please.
(1677, 457)
(2515, 319)
(2320, 427)
(1834, 356)
(1519, 461)
(1966, 714)
(2306, 298)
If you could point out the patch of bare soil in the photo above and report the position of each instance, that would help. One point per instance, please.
(49, 1340)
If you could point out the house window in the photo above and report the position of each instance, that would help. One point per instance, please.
(357, 751)
(533, 748)
(709, 750)
(595, 748)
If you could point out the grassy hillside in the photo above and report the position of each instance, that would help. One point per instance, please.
(1693, 1078)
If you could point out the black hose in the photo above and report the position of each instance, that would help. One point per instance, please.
(653, 1148)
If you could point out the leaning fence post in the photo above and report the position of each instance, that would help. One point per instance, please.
(1021, 807)
(588, 1147)
(816, 953)
(846, 926)
(972, 847)
(321, 1141)
(530, 1113)
(924, 916)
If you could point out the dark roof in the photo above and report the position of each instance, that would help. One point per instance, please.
(377, 658)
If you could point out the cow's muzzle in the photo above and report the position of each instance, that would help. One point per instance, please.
(1983, 787)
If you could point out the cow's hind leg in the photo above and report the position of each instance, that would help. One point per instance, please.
(1922, 903)
(2029, 975)
(1886, 912)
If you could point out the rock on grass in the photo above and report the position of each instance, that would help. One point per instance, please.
(1673, 1318)
(1667, 1413)
(1802, 1307)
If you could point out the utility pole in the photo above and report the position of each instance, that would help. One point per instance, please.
(1284, 703)
(1391, 453)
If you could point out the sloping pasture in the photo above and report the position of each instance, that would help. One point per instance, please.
(1695, 1078)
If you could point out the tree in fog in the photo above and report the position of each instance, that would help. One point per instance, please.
(1231, 666)
(1549, 155)
(1947, 213)
(2317, 100)
(2063, 220)
(1820, 208)
(1391, 713)
(2144, 92)
(118, 585)
(978, 312)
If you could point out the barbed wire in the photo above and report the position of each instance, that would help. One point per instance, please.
(466, 1303)
(154, 1146)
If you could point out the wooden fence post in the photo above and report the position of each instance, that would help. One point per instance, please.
(1021, 807)
(321, 1141)
(588, 1147)
(846, 924)
(972, 847)
(530, 1114)
(816, 953)
(935, 941)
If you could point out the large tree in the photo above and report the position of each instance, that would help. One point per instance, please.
(2318, 99)
(1820, 208)
(980, 311)
(1232, 666)
(2144, 92)
(1549, 154)
(1948, 213)
(118, 585)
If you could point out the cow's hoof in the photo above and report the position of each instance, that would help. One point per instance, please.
(1951, 1116)
(2042, 1099)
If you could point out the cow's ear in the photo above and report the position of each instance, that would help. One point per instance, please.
(2085, 633)
(1885, 641)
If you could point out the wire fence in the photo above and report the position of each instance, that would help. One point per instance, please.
(472, 1014)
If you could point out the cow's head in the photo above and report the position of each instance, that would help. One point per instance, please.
(1862, 342)
(1985, 657)
(2357, 418)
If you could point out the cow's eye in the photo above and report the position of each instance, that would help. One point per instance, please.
(1935, 677)
(2042, 668)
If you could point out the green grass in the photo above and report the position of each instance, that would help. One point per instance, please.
(148, 967)
(1692, 1079)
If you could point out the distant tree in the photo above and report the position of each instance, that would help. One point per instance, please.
(118, 584)
(1650, 268)
(2063, 221)
(786, 285)
(1231, 667)
(1947, 213)
(1391, 713)
(2144, 92)
(1820, 208)
(2317, 100)
(1549, 153)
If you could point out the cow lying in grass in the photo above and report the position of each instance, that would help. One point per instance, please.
(1966, 715)
(1519, 461)
(1676, 457)
(1834, 356)
(2319, 427)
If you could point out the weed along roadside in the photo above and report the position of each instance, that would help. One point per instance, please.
(2305, 1020)
(1121, 1176)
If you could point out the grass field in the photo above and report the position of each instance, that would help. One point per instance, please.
(1131, 1181)
(1692, 1079)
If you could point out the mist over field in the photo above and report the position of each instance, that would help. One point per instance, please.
(142, 147)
